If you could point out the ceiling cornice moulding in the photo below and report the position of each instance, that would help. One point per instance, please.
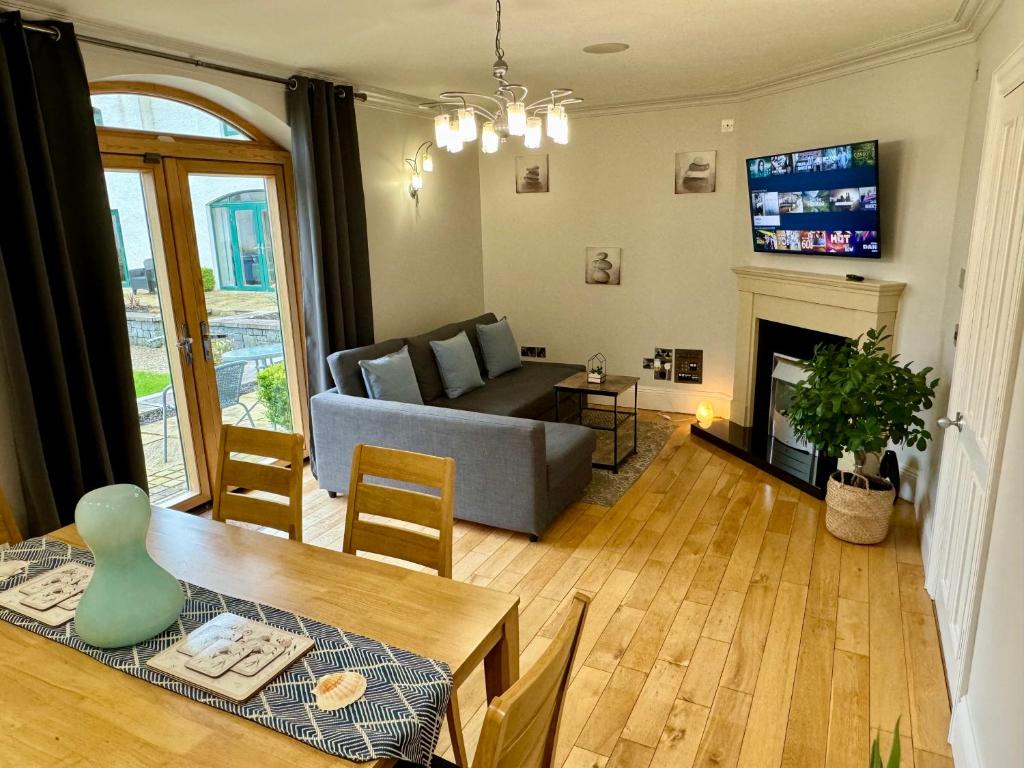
(968, 23)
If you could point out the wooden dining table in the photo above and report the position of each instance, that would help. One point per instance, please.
(61, 707)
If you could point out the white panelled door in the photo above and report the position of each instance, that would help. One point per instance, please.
(986, 359)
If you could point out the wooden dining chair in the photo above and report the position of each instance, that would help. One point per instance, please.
(285, 482)
(427, 510)
(520, 727)
(9, 533)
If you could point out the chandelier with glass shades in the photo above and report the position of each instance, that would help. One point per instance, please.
(506, 113)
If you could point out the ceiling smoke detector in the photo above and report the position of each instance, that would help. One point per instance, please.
(606, 48)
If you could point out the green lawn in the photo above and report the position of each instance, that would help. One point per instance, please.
(147, 382)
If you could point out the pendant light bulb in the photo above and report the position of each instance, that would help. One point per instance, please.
(467, 124)
(563, 130)
(533, 133)
(516, 118)
(417, 181)
(455, 142)
(489, 140)
(428, 163)
(442, 130)
(555, 114)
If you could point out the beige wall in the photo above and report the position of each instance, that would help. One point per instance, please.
(612, 185)
(425, 262)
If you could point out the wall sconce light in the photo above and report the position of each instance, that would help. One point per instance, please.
(420, 163)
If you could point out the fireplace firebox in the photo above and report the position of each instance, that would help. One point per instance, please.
(770, 442)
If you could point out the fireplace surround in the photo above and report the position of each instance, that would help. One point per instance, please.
(787, 312)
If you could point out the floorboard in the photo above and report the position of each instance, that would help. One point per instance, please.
(727, 626)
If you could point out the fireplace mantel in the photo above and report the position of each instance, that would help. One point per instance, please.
(828, 303)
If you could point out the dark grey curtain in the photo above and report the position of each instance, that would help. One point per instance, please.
(334, 253)
(63, 337)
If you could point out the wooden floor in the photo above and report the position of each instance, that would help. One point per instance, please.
(727, 628)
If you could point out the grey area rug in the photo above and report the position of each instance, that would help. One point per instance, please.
(607, 488)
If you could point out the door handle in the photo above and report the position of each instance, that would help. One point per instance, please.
(185, 344)
(204, 330)
(945, 422)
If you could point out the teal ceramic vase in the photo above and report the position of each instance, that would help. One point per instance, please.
(130, 598)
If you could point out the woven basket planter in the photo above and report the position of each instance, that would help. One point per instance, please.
(856, 513)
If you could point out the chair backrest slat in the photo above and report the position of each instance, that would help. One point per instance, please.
(398, 503)
(403, 505)
(520, 727)
(9, 533)
(285, 482)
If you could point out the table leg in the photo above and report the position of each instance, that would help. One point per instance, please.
(501, 665)
(615, 435)
(636, 414)
(558, 397)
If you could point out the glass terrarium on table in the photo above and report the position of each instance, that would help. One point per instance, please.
(596, 367)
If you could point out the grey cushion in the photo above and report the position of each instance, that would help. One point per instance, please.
(457, 365)
(499, 348)
(344, 365)
(427, 374)
(526, 392)
(391, 378)
(567, 446)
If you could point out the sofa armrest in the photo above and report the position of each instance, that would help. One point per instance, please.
(500, 461)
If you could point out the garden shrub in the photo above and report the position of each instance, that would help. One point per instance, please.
(208, 280)
(272, 391)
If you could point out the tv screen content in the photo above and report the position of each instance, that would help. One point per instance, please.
(816, 202)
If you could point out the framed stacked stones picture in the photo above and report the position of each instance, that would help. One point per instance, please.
(603, 265)
(695, 171)
(531, 173)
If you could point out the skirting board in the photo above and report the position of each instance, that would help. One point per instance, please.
(682, 400)
(962, 738)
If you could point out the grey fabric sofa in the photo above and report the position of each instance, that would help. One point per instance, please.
(515, 468)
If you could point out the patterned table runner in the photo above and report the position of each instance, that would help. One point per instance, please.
(399, 717)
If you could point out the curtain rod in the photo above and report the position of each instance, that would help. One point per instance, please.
(288, 82)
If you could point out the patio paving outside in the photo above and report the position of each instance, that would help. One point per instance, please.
(168, 478)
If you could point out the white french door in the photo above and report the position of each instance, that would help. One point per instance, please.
(986, 359)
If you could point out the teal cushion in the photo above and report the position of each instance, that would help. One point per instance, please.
(501, 353)
(457, 364)
(391, 378)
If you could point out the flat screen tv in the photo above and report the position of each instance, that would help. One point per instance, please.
(818, 202)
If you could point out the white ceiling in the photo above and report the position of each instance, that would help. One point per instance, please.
(679, 48)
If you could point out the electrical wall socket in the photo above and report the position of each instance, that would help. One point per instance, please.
(728, 125)
(538, 352)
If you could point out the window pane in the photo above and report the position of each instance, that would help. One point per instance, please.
(156, 363)
(151, 113)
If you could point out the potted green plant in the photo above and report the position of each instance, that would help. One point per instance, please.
(875, 759)
(859, 398)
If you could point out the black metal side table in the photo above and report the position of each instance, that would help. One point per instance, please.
(612, 387)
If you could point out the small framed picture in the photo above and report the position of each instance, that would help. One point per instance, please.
(531, 173)
(603, 265)
(695, 171)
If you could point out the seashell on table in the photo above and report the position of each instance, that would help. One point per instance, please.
(338, 690)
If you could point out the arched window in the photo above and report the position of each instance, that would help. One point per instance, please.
(169, 111)
(200, 207)
(138, 112)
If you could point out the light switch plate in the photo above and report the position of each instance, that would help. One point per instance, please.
(728, 125)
